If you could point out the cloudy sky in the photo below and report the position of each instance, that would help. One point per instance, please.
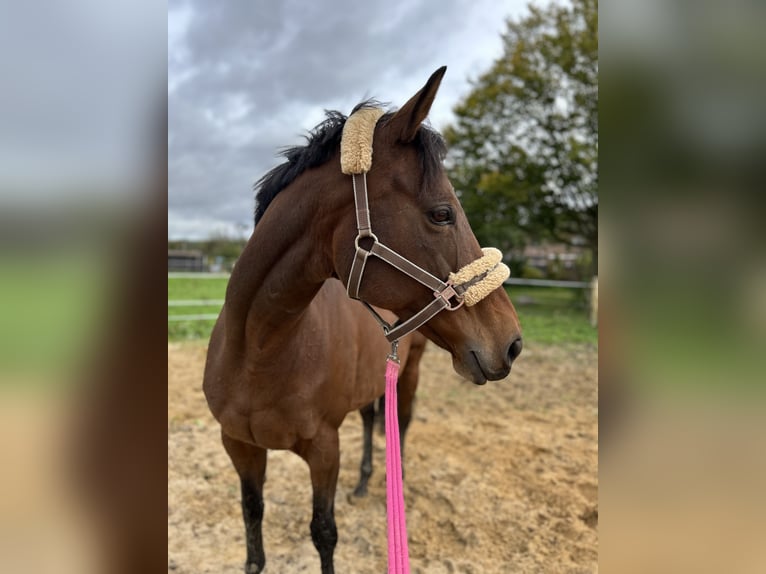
(247, 77)
(81, 90)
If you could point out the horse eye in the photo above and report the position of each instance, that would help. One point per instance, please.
(441, 216)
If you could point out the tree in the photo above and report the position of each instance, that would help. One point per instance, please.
(223, 244)
(524, 147)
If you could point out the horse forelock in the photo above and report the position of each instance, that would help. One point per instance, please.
(324, 140)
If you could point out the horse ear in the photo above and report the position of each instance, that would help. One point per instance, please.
(406, 122)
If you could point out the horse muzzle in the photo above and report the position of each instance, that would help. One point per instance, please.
(476, 366)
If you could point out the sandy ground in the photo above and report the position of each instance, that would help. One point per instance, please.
(500, 478)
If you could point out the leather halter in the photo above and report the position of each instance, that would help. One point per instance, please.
(468, 285)
(444, 292)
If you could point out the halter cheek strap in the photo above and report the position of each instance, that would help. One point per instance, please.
(468, 286)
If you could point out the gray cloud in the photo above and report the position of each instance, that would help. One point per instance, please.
(248, 77)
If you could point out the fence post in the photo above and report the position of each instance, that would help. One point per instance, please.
(594, 301)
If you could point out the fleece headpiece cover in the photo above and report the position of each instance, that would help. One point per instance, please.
(356, 142)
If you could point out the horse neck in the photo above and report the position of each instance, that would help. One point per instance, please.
(284, 264)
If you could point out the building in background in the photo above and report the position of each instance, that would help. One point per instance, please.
(555, 261)
(186, 260)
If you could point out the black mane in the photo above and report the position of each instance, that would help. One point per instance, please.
(321, 144)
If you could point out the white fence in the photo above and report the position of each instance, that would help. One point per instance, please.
(201, 275)
(548, 283)
(592, 285)
(195, 302)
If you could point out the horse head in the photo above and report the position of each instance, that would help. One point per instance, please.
(415, 212)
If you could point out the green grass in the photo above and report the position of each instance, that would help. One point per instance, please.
(553, 315)
(191, 288)
(184, 288)
(548, 315)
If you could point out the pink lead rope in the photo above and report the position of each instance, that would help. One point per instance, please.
(398, 552)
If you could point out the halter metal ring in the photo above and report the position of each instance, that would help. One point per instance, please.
(369, 235)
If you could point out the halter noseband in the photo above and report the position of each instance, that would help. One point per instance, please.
(467, 286)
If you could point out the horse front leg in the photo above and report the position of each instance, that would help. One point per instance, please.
(250, 462)
(365, 470)
(322, 454)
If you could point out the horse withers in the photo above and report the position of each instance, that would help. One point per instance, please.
(291, 355)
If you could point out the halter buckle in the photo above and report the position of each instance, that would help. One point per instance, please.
(448, 293)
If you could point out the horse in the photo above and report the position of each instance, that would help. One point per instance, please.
(291, 354)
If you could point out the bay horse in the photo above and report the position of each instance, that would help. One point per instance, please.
(290, 354)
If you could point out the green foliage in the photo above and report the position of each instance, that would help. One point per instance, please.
(517, 264)
(222, 246)
(524, 148)
(584, 266)
(530, 272)
(218, 244)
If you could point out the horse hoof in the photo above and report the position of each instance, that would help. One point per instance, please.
(359, 492)
(253, 568)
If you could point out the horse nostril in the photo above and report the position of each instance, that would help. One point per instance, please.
(514, 350)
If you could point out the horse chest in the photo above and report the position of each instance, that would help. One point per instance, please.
(278, 420)
(275, 431)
